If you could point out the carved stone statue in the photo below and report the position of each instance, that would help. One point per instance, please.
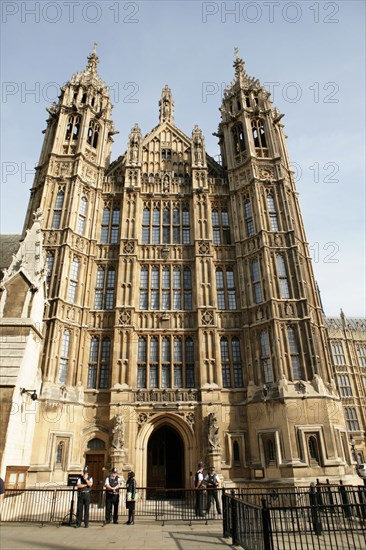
(213, 432)
(118, 433)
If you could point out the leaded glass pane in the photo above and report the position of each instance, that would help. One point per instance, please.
(178, 377)
(219, 278)
(141, 376)
(154, 304)
(177, 350)
(92, 376)
(143, 299)
(141, 354)
(153, 376)
(156, 216)
(166, 350)
(154, 350)
(105, 216)
(165, 376)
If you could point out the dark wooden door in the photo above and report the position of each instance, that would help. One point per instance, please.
(165, 459)
(95, 463)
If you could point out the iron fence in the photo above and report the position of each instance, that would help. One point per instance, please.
(331, 517)
(59, 505)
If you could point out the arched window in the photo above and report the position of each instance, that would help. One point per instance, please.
(294, 354)
(144, 288)
(238, 138)
(57, 210)
(265, 356)
(64, 358)
(313, 449)
(231, 363)
(99, 363)
(236, 452)
(273, 221)
(60, 453)
(82, 215)
(248, 217)
(93, 133)
(282, 276)
(256, 281)
(269, 451)
(259, 136)
(73, 282)
(99, 287)
(73, 128)
(165, 362)
(49, 264)
(96, 444)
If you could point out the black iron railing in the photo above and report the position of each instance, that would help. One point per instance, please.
(59, 505)
(320, 517)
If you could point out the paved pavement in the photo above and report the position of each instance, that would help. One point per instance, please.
(144, 535)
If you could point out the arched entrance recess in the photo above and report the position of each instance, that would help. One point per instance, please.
(165, 459)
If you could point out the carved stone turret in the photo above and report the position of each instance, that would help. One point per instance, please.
(166, 105)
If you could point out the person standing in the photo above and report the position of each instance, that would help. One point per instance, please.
(130, 497)
(113, 483)
(212, 483)
(198, 484)
(83, 485)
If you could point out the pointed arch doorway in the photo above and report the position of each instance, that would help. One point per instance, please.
(165, 460)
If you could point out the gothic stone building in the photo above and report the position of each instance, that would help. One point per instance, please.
(163, 306)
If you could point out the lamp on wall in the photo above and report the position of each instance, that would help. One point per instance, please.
(32, 393)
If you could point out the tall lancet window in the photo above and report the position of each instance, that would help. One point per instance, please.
(49, 264)
(248, 217)
(231, 362)
(272, 213)
(238, 138)
(57, 210)
(82, 216)
(64, 358)
(99, 363)
(265, 354)
(282, 275)
(141, 363)
(73, 128)
(294, 354)
(259, 138)
(256, 281)
(93, 134)
(74, 277)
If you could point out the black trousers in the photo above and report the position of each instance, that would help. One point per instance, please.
(83, 504)
(111, 501)
(199, 502)
(212, 494)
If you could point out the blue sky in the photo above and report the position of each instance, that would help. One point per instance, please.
(310, 55)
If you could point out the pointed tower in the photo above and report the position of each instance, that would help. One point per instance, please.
(68, 187)
(286, 360)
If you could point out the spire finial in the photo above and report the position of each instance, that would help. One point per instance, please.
(93, 59)
(238, 65)
(166, 105)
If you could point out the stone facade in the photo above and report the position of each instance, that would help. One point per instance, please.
(347, 348)
(182, 321)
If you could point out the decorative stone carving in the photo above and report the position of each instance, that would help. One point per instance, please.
(207, 317)
(128, 247)
(203, 248)
(118, 433)
(213, 432)
(142, 419)
(165, 252)
(124, 317)
(80, 391)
